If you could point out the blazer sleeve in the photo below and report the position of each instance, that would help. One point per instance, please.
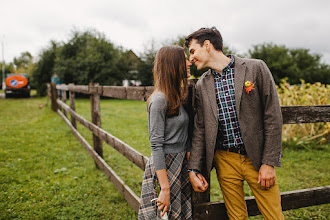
(273, 121)
(198, 139)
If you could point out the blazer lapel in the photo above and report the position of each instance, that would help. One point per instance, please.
(240, 68)
(210, 87)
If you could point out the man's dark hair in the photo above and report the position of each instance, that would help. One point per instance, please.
(211, 34)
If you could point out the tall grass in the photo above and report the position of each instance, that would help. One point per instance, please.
(305, 94)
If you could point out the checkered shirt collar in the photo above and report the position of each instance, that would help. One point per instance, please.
(229, 66)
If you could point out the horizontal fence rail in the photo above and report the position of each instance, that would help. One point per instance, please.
(128, 194)
(130, 153)
(202, 208)
(132, 93)
(291, 114)
(305, 114)
(290, 200)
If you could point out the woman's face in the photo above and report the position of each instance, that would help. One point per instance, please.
(188, 64)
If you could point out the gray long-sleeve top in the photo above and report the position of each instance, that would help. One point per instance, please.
(166, 134)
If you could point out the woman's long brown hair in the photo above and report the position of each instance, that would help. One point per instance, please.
(170, 77)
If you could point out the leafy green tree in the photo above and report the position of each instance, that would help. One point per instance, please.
(44, 68)
(24, 63)
(89, 57)
(128, 64)
(295, 64)
(310, 67)
(145, 67)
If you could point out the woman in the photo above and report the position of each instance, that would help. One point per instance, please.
(168, 136)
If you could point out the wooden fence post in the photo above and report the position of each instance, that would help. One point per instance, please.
(190, 107)
(72, 105)
(53, 96)
(64, 100)
(96, 116)
(49, 91)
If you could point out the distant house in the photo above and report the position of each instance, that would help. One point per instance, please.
(133, 74)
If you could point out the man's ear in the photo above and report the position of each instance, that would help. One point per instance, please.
(207, 45)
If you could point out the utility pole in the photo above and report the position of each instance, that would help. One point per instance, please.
(3, 67)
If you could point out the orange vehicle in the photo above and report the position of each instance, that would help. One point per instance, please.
(17, 84)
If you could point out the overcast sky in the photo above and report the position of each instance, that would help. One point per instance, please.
(30, 25)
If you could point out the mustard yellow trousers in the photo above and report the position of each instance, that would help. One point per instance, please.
(232, 169)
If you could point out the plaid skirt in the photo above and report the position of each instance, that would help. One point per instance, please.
(180, 189)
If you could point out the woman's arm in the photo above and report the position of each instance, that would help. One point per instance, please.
(157, 117)
(164, 195)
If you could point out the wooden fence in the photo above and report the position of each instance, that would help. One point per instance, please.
(203, 208)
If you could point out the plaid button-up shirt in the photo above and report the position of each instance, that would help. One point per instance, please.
(230, 134)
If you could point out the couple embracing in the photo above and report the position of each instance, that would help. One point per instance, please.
(237, 130)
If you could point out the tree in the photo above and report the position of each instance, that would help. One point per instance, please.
(128, 64)
(23, 61)
(310, 67)
(44, 68)
(295, 64)
(89, 57)
(146, 65)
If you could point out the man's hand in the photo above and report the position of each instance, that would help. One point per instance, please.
(267, 176)
(198, 182)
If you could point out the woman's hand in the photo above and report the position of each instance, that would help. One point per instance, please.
(163, 200)
(164, 196)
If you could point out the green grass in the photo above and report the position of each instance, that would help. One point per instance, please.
(44, 171)
(46, 174)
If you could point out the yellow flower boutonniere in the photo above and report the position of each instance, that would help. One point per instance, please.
(248, 86)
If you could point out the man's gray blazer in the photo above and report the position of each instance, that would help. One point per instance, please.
(259, 115)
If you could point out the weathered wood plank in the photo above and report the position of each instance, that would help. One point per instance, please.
(128, 194)
(48, 90)
(305, 197)
(118, 92)
(132, 92)
(64, 99)
(72, 104)
(305, 114)
(53, 96)
(135, 93)
(130, 153)
(96, 116)
(79, 88)
(62, 87)
(290, 200)
(74, 115)
(149, 91)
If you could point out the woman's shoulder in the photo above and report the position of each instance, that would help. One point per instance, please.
(157, 99)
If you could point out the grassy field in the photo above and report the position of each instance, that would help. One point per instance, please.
(46, 174)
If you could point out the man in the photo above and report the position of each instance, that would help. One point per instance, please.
(238, 126)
